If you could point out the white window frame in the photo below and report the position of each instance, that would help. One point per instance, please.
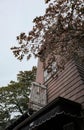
(47, 74)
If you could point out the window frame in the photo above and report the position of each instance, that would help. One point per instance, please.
(50, 70)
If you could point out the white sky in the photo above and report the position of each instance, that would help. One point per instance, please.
(15, 17)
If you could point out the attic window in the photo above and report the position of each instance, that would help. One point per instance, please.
(50, 70)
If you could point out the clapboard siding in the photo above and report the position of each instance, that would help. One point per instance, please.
(63, 91)
(68, 84)
(63, 78)
(80, 70)
(67, 69)
(62, 84)
(80, 99)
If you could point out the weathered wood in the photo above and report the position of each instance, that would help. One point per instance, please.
(37, 96)
(68, 84)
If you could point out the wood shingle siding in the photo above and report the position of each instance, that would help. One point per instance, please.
(68, 84)
(81, 71)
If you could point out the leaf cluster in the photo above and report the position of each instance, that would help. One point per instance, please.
(60, 31)
(15, 96)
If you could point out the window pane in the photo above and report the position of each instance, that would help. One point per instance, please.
(47, 73)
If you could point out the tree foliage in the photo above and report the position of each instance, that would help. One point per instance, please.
(60, 31)
(14, 97)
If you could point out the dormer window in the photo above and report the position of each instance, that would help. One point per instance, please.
(50, 70)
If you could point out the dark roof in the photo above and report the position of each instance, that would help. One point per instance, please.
(56, 107)
(18, 121)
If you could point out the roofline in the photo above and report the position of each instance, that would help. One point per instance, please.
(45, 109)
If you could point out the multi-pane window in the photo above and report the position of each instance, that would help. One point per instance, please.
(50, 70)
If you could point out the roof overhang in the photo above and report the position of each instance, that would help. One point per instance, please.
(58, 107)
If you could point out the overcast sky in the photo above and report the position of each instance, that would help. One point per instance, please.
(15, 16)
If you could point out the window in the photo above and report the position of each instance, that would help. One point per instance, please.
(50, 70)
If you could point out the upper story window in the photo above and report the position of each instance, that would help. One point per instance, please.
(50, 70)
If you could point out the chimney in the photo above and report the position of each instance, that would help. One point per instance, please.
(37, 96)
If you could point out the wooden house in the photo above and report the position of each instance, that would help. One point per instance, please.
(67, 83)
(57, 99)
